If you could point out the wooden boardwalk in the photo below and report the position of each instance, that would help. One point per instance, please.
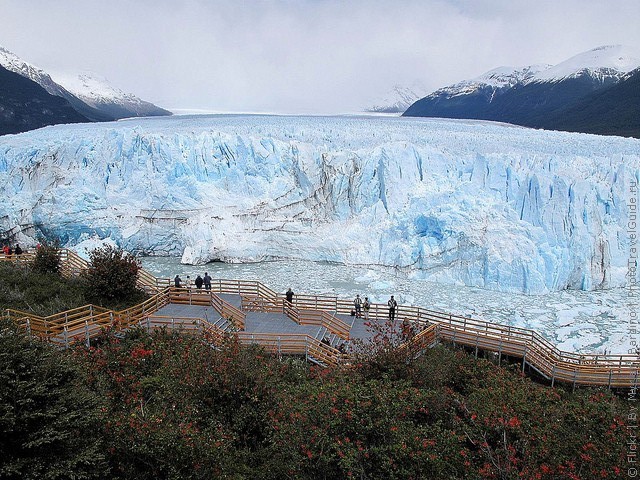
(257, 314)
(262, 322)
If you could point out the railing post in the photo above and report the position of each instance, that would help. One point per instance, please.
(86, 334)
(148, 324)
(279, 348)
(29, 326)
(610, 375)
(524, 357)
(66, 339)
(553, 376)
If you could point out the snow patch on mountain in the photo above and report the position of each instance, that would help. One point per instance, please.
(13, 63)
(496, 79)
(398, 99)
(98, 92)
(476, 203)
(610, 60)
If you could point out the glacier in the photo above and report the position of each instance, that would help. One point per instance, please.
(473, 203)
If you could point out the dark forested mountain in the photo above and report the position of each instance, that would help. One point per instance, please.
(25, 105)
(570, 95)
(92, 97)
(614, 111)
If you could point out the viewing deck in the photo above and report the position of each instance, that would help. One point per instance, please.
(257, 314)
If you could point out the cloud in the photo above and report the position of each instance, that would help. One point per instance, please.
(322, 56)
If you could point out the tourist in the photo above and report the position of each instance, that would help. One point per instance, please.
(18, 249)
(188, 285)
(199, 282)
(366, 306)
(207, 281)
(358, 304)
(289, 296)
(407, 329)
(5, 250)
(392, 308)
(326, 341)
(177, 281)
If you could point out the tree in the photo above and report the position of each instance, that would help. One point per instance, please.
(49, 423)
(112, 274)
(47, 259)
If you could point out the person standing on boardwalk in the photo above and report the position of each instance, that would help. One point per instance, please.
(289, 302)
(358, 304)
(199, 282)
(366, 306)
(392, 308)
(207, 281)
(18, 250)
(177, 281)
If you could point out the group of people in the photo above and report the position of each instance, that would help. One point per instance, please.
(199, 282)
(364, 306)
(8, 251)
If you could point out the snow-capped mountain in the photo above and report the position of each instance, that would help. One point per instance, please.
(398, 99)
(496, 79)
(477, 203)
(99, 93)
(13, 63)
(105, 105)
(530, 96)
(25, 105)
(610, 61)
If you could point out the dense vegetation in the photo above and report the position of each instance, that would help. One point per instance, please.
(166, 405)
(169, 405)
(38, 287)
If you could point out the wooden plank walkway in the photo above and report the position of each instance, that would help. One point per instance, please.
(259, 314)
(260, 322)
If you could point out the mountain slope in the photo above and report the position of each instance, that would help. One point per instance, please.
(15, 64)
(615, 111)
(92, 98)
(398, 99)
(532, 99)
(98, 93)
(25, 105)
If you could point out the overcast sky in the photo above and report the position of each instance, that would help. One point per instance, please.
(302, 56)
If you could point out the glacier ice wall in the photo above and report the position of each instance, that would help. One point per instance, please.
(478, 203)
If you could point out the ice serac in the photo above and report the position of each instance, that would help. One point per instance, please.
(478, 203)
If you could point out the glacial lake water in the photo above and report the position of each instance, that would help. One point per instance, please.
(577, 321)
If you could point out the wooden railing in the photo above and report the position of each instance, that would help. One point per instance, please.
(86, 322)
(72, 265)
(294, 344)
(535, 351)
(228, 311)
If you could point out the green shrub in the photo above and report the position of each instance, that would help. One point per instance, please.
(49, 424)
(40, 293)
(112, 275)
(47, 259)
(177, 408)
